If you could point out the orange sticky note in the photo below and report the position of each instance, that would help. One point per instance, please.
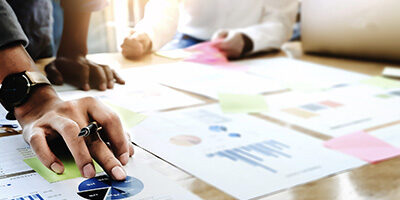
(363, 146)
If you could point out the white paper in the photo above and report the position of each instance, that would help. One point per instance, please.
(4, 122)
(337, 111)
(390, 134)
(12, 153)
(144, 183)
(138, 96)
(291, 71)
(242, 155)
(206, 80)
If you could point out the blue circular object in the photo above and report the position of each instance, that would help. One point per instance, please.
(103, 187)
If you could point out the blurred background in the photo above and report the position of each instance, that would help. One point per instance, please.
(109, 27)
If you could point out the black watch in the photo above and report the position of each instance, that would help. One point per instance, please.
(16, 89)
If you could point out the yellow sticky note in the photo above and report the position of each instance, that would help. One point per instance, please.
(242, 103)
(70, 169)
(382, 82)
(129, 118)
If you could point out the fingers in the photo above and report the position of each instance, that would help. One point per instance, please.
(102, 154)
(39, 145)
(132, 48)
(53, 74)
(98, 77)
(220, 35)
(84, 78)
(117, 77)
(109, 76)
(112, 126)
(69, 130)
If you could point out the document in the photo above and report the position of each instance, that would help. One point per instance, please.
(241, 155)
(19, 182)
(337, 111)
(138, 96)
(300, 75)
(389, 134)
(363, 146)
(206, 80)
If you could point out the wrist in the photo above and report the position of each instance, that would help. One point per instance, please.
(39, 97)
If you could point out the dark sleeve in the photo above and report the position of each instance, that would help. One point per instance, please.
(10, 29)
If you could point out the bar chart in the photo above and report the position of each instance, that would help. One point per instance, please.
(255, 154)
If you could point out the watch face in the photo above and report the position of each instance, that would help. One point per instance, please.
(15, 88)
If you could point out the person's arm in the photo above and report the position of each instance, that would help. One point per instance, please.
(71, 64)
(44, 117)
(274, 29)
(157, 27)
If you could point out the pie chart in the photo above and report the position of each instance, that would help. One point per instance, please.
(185, 140)
(104, 188)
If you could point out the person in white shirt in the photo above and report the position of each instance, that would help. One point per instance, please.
(238, 27)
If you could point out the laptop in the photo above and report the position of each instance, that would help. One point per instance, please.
(353, 28)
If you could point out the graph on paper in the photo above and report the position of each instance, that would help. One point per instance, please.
(254, 154)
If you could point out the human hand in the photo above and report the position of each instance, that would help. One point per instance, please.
(136, 45)
(46, 118)
(232, 44)
(82, 73)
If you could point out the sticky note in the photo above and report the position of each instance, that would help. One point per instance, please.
(174, 54)
(242, 103)
(206, 53)
(70, 169)
(129, 118)
(382, 82)
(363, 146)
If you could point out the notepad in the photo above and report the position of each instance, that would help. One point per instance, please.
(242, 103)
(363, 146)
(70, 169)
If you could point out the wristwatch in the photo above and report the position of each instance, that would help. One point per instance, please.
(17, 88)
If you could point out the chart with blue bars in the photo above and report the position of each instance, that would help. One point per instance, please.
(255, 154)
(30, 197)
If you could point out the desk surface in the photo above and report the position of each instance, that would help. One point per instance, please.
(380, 181)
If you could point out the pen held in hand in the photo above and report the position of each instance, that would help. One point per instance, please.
(89, 129)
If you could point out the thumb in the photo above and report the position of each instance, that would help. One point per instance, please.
(221, 34)
(54, 76)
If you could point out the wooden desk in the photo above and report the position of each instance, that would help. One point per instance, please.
(380, 181)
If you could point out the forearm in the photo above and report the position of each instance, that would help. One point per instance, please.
(14, 59)
(75, 32)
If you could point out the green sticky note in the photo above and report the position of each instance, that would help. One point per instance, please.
(70, 169)
(128, 117)
(382, 82)
(242, 103)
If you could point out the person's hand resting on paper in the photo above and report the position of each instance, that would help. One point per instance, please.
(45, 118)
(71, 65)
(233, 44)
(82, 73)
(136, 45)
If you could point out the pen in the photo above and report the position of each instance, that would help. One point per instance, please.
(8, 126)
(89, 129)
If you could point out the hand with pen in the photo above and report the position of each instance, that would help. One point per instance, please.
(64, 120)
(45, 118)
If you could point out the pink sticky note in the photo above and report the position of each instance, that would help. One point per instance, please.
(207, 53)
(363, 146)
